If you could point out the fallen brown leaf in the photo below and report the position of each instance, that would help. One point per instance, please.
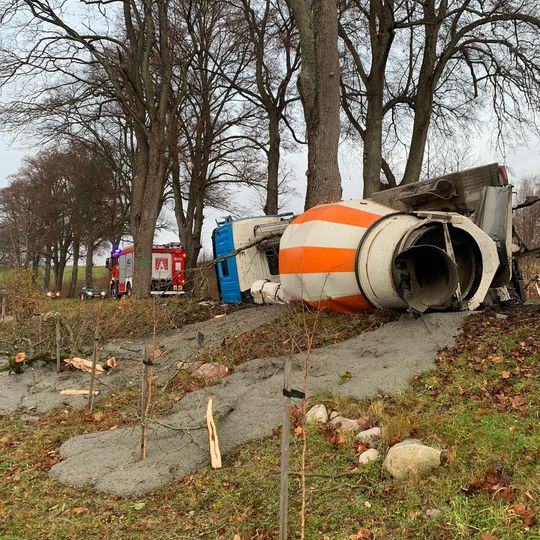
(525, 513)
(362, 534)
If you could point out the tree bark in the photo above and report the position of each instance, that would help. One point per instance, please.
(89, 264)
(423, 104)
(59, 270)
(381, 27)
(75, 270)
(149, 180)
(319, 87)
(272, 192)
(47, 276)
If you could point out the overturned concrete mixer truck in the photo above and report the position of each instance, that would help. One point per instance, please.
(438, 244)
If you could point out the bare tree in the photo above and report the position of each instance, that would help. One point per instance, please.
(132, 43)
(268, 30)
(319, 87)
(527, 220)
(210, 151)
(435, 65)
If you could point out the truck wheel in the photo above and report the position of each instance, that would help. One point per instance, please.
(114, 291)
(128, 290)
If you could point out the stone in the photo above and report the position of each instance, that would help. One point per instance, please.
(211, 371)
(432, 512)
(347, 424)
(369, 436)
(317, 413)
(410, 457)
(334, 414)
(369, 456)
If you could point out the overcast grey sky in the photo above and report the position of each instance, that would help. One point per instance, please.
(521, 161)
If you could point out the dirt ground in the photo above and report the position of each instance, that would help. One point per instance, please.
(38, 389)
(248, 404)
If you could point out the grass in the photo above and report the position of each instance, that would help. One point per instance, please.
(288, 333)
(482, 403)
(100, 274)
(127, 318)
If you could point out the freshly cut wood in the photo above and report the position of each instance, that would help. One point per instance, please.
(111, 362)
(84, 365)
(70, 392)
(215, 454)
(20, 357)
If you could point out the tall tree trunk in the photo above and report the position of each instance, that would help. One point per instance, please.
(146, 205)
(319, 87)
(423, 105)
(60, 270)
(47, 276)
(75, 269)
(272, 188)
(35, 268)
(89, 264)
(372, 158)
(381, 27)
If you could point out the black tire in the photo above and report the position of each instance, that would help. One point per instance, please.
(114, 291)
(128, 290)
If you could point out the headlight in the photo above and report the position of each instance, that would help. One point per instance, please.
(103, 293)
(49, 294)
(57, 294)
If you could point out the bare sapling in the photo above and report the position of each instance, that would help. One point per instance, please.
(58, 358)
(285, 441)
(146, 387)
(95, 356)
(310, 335)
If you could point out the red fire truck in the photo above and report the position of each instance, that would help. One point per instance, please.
(168, 270)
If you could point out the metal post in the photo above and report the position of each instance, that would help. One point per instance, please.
(285, 436)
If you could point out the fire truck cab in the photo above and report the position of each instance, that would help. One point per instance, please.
(168, 270)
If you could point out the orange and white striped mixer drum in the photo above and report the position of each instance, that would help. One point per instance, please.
(318, 251)
(354, 256)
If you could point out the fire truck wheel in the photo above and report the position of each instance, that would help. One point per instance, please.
(114, 291)
(128, 290)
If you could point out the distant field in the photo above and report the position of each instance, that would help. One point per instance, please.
(101, 276)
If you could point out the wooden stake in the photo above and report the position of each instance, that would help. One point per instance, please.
(285, 437)
(4, 305)
(145, 401)
(215, 454)
(58, 359)
(95, 354)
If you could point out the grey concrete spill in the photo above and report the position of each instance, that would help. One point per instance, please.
(38, 388)
(249, 405)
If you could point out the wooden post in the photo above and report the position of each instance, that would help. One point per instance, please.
(145, 401)
(285, 436)
(58, 359)
(95, 355)
(4, 305)
(213, 440)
